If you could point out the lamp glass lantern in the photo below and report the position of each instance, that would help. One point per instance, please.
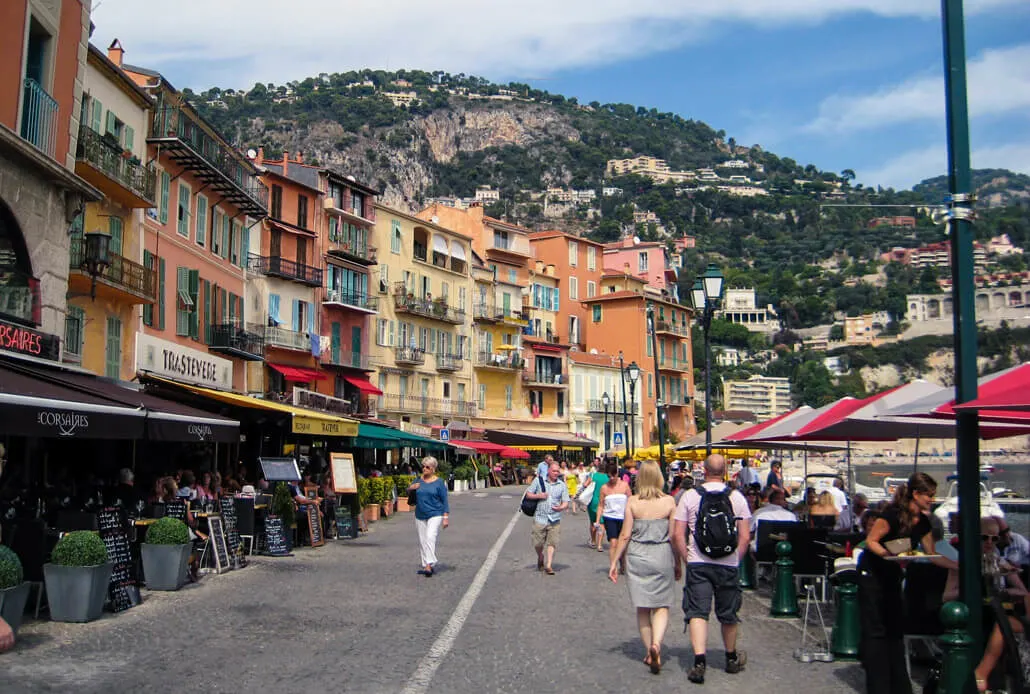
(712, 281)
(96, 256)
(606, 400)
(633, 371)
(697, 295)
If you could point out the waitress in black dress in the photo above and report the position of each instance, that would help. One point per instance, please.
(882, 649)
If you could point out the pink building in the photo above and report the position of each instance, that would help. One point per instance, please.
(646, 260)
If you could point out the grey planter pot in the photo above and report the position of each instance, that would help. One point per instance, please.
(12, 604)
(165, 566)
(76, 593)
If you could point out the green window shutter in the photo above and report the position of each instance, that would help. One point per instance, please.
(207, 312)
(166, 184)
(113, 348)
(245, 247)
(148, 309)
(161, 294)
(98, 115)
(311, 318)
(182, 280)
(295, 325)
(232, 308)
(223, 303)
(129, 137)
(111, 126)
(241, 311)
(194, 314)
(201, 220)
(183, 208)
(114, 227)
(336, 338)
(225, 236)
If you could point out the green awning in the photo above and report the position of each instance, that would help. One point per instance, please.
(380, 437)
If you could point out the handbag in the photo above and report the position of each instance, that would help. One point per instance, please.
(528, 505)
(586, 495)
(412, 497)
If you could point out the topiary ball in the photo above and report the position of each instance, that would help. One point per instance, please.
(168, 531)
(79, 548)
(11, 573)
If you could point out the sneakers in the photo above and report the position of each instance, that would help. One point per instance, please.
(696, 674)
(735, 666)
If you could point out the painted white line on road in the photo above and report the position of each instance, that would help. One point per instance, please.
(423, 675)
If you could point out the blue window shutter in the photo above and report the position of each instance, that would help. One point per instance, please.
(311, 318)
(557, 299)
(245, 248)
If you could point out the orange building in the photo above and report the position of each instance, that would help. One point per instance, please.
(579, 266)
(618, 324)
(645, 260)
(208, 199)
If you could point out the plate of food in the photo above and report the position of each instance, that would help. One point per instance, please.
(911, 555)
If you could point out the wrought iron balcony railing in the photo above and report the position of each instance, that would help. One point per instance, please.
(281, 337)
(597, 405)
(39, 118)
(508, 360)
(362, 301)
(670, 327)
(426, 307)
(234, 340)
(112, 161)
(277, 266)
(448, 362)
(409, 355)
(346, 359)
(121, 273)
(394, 402)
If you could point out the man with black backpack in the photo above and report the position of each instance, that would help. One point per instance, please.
(711, 533)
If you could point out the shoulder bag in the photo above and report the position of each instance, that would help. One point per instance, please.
(528, 505)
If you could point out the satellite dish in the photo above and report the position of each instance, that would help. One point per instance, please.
(351, 178)
(636, 240)
(251, 154)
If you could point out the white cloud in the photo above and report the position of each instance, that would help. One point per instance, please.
(911, 167)
(268, 40)
(999, 83)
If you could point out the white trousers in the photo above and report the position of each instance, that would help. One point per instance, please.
(427, 533)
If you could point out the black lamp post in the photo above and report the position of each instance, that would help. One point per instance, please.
(657, 386)
(625, 415)
(706, 294)
(606, 401)
(96, 257)
(633, 371)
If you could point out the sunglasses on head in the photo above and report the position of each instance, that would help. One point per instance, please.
(992, 538)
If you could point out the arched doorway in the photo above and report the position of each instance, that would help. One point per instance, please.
(19, 290)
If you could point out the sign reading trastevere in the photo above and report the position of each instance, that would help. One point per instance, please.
(170, 360)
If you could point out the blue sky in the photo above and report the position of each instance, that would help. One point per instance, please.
(844, 84)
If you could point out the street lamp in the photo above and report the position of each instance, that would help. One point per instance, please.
(625, 415)
(706, 294)
(96, 257)
(633, 371)
(657, 385)
(606, 400)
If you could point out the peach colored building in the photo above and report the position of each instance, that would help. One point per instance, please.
(648, 261)
(578, 263)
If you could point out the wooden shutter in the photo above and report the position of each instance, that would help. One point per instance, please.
(161, 294)
(166, 183)
(128, 137)
(311, 318)
(148, 309)
(114, 227)
(97, 116)
(111, 124)
(207, 312)
(113, 348)
(225, 236)
(232, 308)
(201, 220)
(295, 316)
(335, 342)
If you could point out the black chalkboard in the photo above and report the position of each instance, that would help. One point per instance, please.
(122, 589)
(346, 528)
(232, 533)
(176, 509)
(315, 526)
(219, 548)
(280, 469)
(275, 537)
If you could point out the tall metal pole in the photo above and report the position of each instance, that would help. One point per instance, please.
(632, 417)
(625, 417)
(706, 323)
(967, 427)
(657, 387)
(607, 432)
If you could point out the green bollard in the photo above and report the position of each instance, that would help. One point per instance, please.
(847, 630)
(785, 597)
(958, 650)
(748, 581)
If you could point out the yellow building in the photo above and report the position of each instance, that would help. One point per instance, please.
(421, 350)
(104, 314)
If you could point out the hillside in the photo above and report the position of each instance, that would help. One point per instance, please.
(993, 187)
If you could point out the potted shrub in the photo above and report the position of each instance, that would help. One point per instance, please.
(166, 554)
(77, 577)
(283, 507)
(386, 504)
(371, 504)
(14, 590)
(403, 482)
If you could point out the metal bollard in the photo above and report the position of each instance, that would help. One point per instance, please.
(785, 597)
(958, 650)
(847, 630)
(748, 580)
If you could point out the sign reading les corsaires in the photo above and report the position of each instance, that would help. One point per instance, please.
(171, 360)
(17, 338)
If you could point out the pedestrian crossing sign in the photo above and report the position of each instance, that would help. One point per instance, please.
(617, 438)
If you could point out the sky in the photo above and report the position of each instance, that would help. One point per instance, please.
(842, 84)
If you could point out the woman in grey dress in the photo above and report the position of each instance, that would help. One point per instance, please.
(652, 567)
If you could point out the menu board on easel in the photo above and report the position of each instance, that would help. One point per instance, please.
(315, 526)
(219, 547)
(232, 533)
(275, 537)
(345, 481)
(122, 588)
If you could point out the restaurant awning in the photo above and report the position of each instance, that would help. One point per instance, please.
(298, 374)
(457, 250)
(479, 446)
(363, 384)
(303, 421)
(379, 437)
(538, 440)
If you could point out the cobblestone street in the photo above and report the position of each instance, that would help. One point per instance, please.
(354, 616)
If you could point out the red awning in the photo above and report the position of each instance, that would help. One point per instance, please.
(363, 384)
(514, 453)
(545, 348)
(479, 446)
(298, 374)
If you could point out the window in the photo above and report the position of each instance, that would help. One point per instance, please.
(596, 312)
(507, 398)
(302, 251)
(187, 287)
(236, 239)
(573, 253)
(560, 403)
(501, 240)
(148, 309)
(591, 289)
(591, 258)
(166, 184)
(302, 211)
(113, 348)
(357, 203)
(216, 238)
(277, 202)
(159, 319)
(482, 396)
(573, 288)
(384, 279)
(395, 237)
(650, 386)
(381, 332)
(74, 330)
(642, 261)
(513, 277)
(201, 220)
(184, 210)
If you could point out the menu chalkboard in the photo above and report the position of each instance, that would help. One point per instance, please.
(220, 550)
(315, 526)
(176, 509)
(232, 533)
(275, 537)
(346, 528)
(122, 588)
(280, 469)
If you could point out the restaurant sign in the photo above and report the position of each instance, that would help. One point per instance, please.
(22, 340)
(417, 429)
(317, 426)
(318, 401)
(184, 364)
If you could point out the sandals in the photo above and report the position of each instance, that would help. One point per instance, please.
(548, 570)
(654, 655)
(981, 685)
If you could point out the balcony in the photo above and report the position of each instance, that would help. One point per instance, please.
(545, 379)
(233, 341)
(361, 302)
(419, 404)
(123, 280)
(19, 297)
(355, 252)
(351, 214)
(223, 169)
(437, 309)
(510, 245)
(277, 266)
(597, 405)
(282, 338)
(509, 361)
(549, 337)
(670, 328)
(484, 312)
(677, 365)
(512, 317)
(346, 360)
(448, 362)
(117, 173)
(39, 118)
(409, 355)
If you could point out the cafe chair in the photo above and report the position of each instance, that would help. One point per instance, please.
(813, 561)
(245, 521)
(1011, 659)
(770, 533)
(924, 595)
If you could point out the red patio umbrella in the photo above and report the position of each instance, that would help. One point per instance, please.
(752, 431)
(515, 453)
(998, 398)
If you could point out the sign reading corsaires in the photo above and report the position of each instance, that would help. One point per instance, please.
(65, 423)
(171, 360)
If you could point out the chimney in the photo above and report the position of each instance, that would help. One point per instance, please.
(260, 157)
(115, 52)
(300, 158)
(286, 161)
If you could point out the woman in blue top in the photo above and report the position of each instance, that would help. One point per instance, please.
(431, 511)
